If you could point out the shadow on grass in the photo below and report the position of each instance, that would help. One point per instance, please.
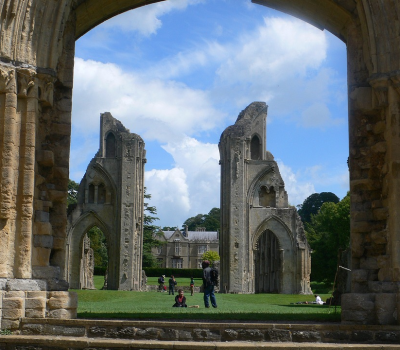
(330, 316)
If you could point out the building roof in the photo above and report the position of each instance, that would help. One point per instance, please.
(195, 235)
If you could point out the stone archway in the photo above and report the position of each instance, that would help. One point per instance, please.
(36, 78)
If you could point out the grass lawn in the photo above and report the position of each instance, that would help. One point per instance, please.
(109, 304)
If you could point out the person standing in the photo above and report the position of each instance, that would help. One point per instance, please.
(191, 286)
(208, 285)
(161, 281)
(172, 284)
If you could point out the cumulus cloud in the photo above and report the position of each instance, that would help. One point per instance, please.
(146, 19)
(191, 187)
(156, 109)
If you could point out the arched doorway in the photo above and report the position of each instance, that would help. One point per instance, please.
(267, 264)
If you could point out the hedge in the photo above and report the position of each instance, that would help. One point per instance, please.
(158, 271)
(99, 271)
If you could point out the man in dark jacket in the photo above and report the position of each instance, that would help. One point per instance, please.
(208, 285)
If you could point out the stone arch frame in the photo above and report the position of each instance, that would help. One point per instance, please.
(286, 243)
(39, 40)
(108, 181)
(257, 184)
(75, 239)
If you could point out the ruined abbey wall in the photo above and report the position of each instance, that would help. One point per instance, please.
(37, 40)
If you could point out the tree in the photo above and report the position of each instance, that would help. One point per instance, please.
(211, 256)
(328, 233)
(151, 233)
(73, 188)
(98, 243)
(210, 221)
(313, 203)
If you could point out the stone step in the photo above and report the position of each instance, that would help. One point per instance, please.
(16, 342)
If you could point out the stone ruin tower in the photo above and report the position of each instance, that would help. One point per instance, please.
(110, 197)
(263, 247)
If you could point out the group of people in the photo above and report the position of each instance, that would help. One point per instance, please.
(208, 284)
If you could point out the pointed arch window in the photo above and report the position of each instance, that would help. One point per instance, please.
(91, 193)
(255, 148)
(111, 146)
(101, 196)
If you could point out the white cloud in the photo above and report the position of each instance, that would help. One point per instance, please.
(318, 115)
(191, 187)
(146, 19)
(155, 109)
(298, 190)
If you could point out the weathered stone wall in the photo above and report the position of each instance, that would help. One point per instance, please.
(254, 203)
(110, 196)
(36, 60)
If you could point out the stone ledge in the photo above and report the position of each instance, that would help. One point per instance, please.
(13, 342)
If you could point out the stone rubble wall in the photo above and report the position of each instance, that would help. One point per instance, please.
(201, 331)
(28, 298)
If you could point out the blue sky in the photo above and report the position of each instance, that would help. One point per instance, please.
(180, 71)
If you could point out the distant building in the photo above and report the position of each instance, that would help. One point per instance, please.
(183, 249)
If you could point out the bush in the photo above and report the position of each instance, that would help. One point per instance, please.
(158, 271)
(99, 271)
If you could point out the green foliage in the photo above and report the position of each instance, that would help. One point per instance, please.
(328, 234)
(211, 256)
(158, 271)
(72, 192)
(210, 221)
(99, 271)
(98, 243)
(313, 203)
(5, 332)
(151, 233)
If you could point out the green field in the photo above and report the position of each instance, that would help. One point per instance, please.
(109, 304)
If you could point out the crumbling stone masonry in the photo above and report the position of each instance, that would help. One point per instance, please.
(37, 41)
(110, 196)
(263, 246)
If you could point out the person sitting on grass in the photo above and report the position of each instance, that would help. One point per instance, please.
(318, 300)
(180, 299)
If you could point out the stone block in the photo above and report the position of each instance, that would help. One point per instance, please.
(148, 333)
(32, 329)
(35, 303)
(3, 283)
(306, 336)
(43, 241)
(26, 285)
(59, 243)
(380, 213)
(35, 313)
(13, 303)
(229, 335)
(62, 300)
(63, 314)
(250, 334)
(206, 335)
(359, 275)
(57, 285)
(97, 332)
(385, 308)
(392, 337)
(13, 314)
(278, 335)
(11, 324)
(169, 335)
(46, 272)
(357, 245)
(382, 261)
(369, 263)
(379, 237)
(385, 274)
(122, 332)
(358, 302)
(379, 147)
(362, 336)
(64, 331)
(36, 294)
(42, 228)
(185, 335)
(41, 256)
(14, 294)
(336, 337)
(42, 216)
(45, 158)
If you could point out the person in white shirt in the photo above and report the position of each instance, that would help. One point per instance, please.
(318, 299)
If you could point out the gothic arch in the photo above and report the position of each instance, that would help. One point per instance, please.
(255, 187)
(286, 250)
(75, 239)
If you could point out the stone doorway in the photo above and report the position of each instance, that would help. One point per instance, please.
(267, 264)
